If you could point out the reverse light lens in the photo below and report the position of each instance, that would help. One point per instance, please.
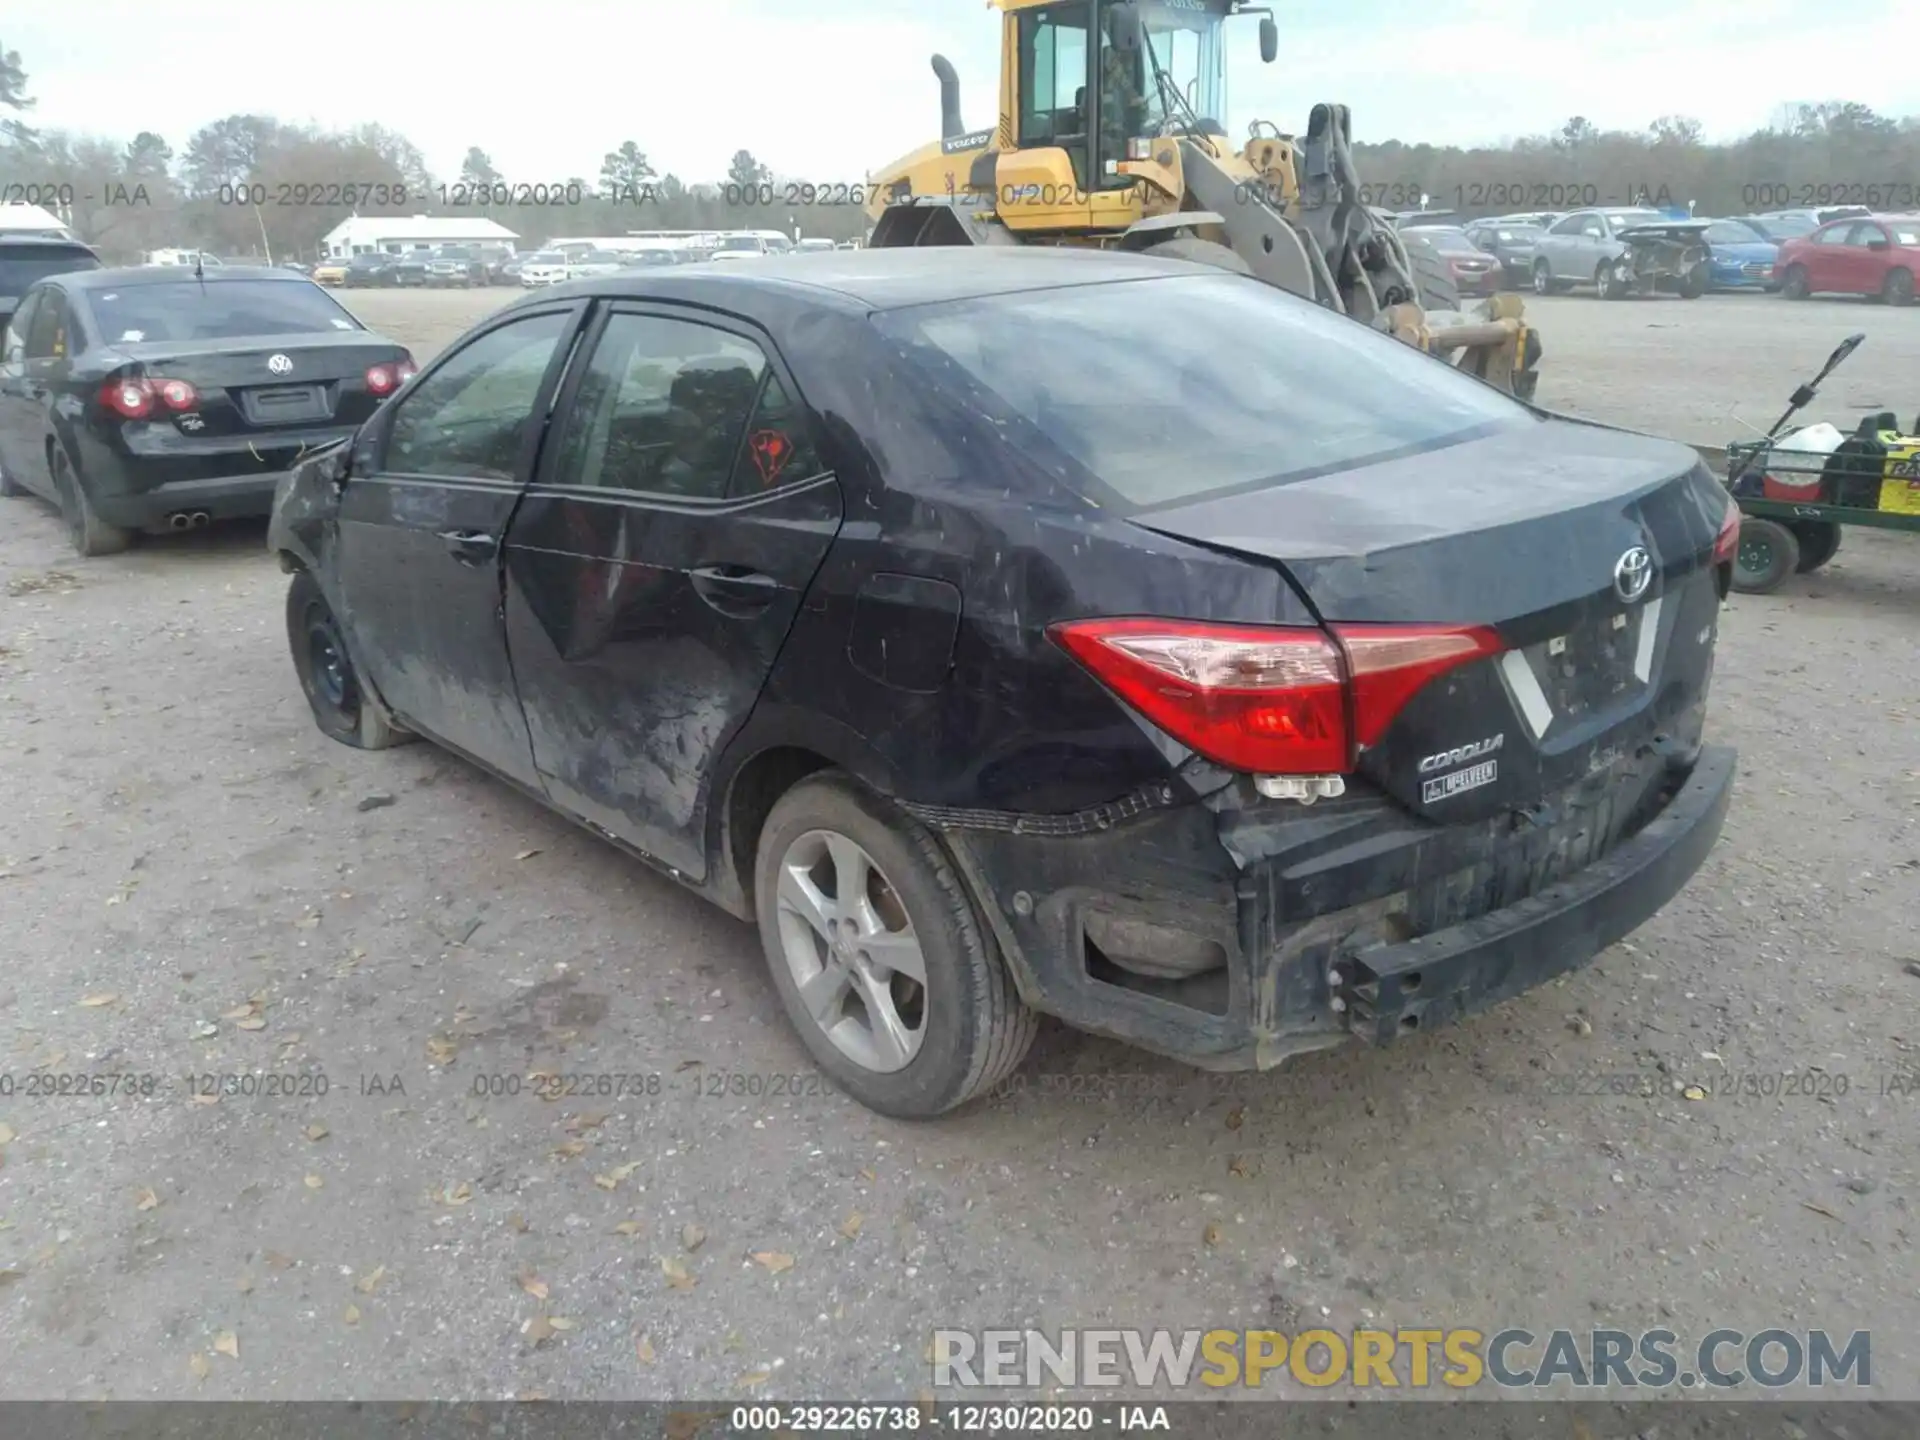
(1270, 700)
(1726, 545)
(176, 394)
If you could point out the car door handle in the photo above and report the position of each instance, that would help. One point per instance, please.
(734, 589)
(470, 547)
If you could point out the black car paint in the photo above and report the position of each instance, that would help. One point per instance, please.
(906, 644)
(137, 473)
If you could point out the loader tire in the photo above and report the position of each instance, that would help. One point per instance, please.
(1433, 281)
(1200, 252)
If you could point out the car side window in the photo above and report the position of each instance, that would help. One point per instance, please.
(468, 418)
(661, 409)
(50, 334)
(1572, 225)
(1836, 236)
(16, 346)
(779, 444)
(1596, 227)
(1864, 234)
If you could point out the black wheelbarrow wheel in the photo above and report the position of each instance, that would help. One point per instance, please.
(1819, 539)
(1768, 553)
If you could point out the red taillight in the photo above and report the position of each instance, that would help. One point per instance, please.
(385, 379)
(1270, 700)
(129, 399)
(1726, 545)
(138, 398)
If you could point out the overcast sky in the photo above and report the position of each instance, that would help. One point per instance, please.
(828, 89)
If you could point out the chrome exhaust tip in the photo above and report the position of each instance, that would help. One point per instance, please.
(199, 519)
(179, 520)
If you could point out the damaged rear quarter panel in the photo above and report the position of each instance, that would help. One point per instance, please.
(306, 509)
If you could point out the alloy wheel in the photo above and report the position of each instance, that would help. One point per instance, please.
(851, 948)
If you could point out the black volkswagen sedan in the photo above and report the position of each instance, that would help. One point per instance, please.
(153, 399)
(1024, 631)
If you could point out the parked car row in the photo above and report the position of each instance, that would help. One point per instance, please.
(1621, 250)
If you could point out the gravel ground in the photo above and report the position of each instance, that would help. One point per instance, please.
(193, 880)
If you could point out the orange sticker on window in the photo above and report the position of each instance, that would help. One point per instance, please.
(771, 451)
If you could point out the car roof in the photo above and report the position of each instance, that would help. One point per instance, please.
(889, 277)
(44, 242)
(120, 277)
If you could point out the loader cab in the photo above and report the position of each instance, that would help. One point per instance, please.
(1090, 76)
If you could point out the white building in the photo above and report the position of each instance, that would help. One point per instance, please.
(397, 234)
(18, 219)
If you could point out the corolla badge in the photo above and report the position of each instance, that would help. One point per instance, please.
(1632, 574)
(280, 364)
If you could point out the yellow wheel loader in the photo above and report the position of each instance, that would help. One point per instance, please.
(1108, 135)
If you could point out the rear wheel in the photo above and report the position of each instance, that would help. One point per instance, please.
(1819, 539)
(886, 971)
(1898, 287)
(1433, 281)
(1694, 283)
(1200, 252)
(1793, 284)
(90, 535)
(336, 694)
(1768, 553)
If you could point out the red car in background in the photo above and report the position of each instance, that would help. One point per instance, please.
(1473, 269)
(1877, 255)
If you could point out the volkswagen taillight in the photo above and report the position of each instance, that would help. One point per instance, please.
(1271, 700)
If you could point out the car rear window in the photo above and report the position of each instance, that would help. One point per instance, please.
(1165, 391)
(21, 268)
(217, 310)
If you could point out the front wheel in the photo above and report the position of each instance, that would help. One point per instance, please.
(1794, 284)
(1768, 553)
(893, 982)
(1542, 278)
(1694, 283)
(1607, 283)
(338, 696)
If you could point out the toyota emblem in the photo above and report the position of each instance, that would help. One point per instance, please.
(1632, 574)
(283, 365)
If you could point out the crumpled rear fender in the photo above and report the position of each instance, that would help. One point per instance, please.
(306, 509)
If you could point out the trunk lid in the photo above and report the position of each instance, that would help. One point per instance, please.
(259, 385)
(1546, 536)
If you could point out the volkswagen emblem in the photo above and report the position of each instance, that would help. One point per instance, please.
(283, 365)
(1632, 574)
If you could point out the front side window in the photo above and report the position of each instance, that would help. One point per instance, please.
(662, 409)
(1160, 392)
(469, 418)
(1572, 225)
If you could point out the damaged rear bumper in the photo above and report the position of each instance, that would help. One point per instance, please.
(1258, 960)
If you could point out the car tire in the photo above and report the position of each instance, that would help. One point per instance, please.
(343, 705)
(941, 1040)
(1793, 284)
(1767, 554)
(10, 488)
(90, 536)
(1543, 278)
(1607, 284)
(1819, 540)
(1694, 283)
(1897, 288)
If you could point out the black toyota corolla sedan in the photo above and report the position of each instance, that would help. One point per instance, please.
(1028, 631)
(155, 398)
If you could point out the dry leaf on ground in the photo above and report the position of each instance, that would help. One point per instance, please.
(774, 1260)
(534, 1286)
(146, 1200)
(227, 1343)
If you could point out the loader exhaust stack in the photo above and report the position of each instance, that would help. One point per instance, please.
(950, 125)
